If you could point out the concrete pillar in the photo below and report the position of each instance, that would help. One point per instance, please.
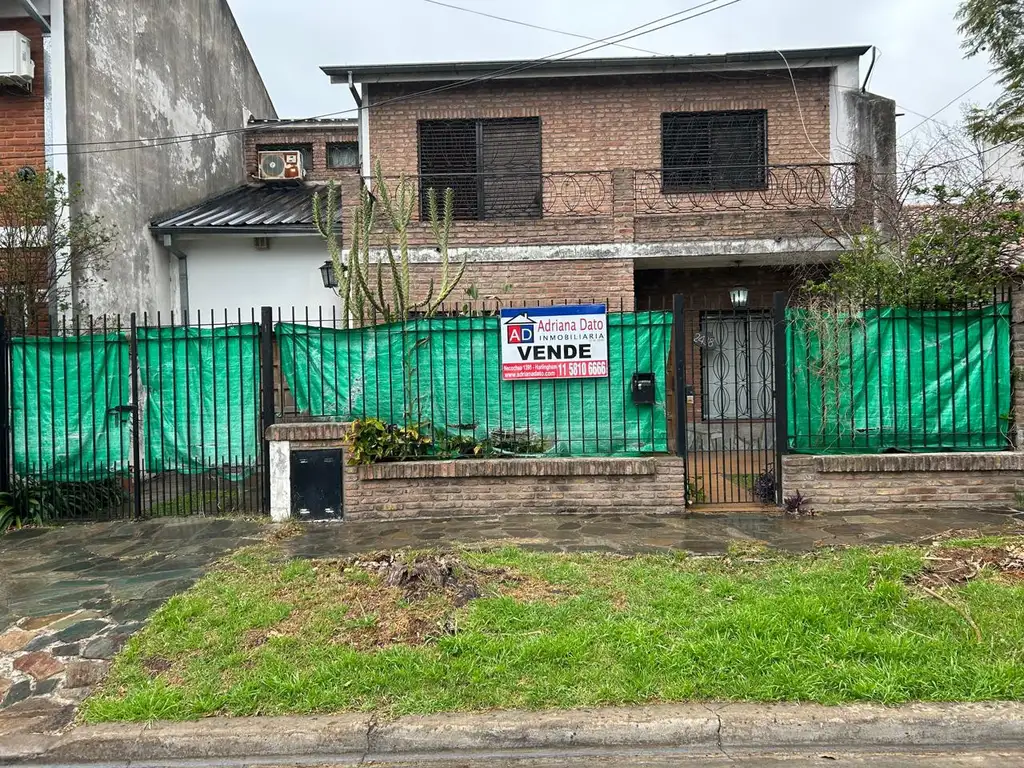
(280, 480)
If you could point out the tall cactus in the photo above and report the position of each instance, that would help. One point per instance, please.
(366, 278)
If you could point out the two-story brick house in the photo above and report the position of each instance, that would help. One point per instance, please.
(624, 180)
(628, 178)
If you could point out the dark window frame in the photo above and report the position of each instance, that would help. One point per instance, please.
(686, 169)
(507, 193)
(303, 148)
(327, 154)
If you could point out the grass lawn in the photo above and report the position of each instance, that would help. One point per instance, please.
(262, 635)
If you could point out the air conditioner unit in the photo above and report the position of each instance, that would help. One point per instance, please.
(16, 65)
(285, 165)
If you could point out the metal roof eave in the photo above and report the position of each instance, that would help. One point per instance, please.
(640, 65)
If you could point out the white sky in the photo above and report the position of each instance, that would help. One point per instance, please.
(920, 63)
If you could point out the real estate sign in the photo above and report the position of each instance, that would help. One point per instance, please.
(569, 342)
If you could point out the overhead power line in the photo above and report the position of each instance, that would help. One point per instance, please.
(534, 26)
(629, 34)
(948, 104)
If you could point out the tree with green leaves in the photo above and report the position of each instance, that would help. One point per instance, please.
(955, 247)
(996, 27)
(44, 245)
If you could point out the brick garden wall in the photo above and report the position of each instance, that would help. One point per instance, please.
(468, 487)
(22, 118)
(905, 481)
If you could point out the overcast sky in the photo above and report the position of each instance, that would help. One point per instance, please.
(920, 63)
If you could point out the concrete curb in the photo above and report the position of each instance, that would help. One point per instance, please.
(705, 728)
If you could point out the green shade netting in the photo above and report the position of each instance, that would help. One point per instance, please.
(446, 372)
(201, 398)
(908, 380)
(70, 414)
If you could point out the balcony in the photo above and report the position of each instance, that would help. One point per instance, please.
(640, 205)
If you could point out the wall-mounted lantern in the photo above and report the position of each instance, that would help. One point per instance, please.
(738, 296)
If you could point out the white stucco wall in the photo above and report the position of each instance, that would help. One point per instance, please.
(227, 272)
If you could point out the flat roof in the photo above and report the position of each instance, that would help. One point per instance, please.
(583, 67)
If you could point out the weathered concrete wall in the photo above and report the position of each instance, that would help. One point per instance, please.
(142, 68)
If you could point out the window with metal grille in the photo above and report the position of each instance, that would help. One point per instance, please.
(737, 365)
(343, 154)
(493, 166)
(306, 150)
(710, 151)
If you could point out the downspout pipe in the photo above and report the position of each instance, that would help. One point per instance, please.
(182, 257)
(364, 129)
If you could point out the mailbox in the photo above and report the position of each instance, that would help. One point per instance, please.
(643, 388)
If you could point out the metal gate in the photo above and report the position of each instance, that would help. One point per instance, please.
(725, 398)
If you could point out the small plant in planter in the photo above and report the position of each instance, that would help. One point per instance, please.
(764, 486)
(372, 441)
(798, 505)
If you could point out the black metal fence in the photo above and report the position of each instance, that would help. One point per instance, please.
(114, 417)
(443, 375)
(873, 379)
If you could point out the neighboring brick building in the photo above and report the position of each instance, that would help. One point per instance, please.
(22, 109)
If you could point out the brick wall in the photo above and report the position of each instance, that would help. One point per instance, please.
(471, 487)
(1017, 361)
(905, 481)
(319, 137)
(597, 123)
(566, 280)
(613, 126)
(22, 118)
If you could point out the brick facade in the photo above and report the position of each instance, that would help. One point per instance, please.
(22, 114)
(540, 282)
(592, 123)
(905, 481)
(318, 135)
(601, 155)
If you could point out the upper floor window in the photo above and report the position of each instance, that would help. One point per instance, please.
(493, 166)
(709, 151)
(306, 150)
(343, 154)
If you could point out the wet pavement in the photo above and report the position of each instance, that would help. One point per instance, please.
(635, 534)
(125, 569)
(71, 597)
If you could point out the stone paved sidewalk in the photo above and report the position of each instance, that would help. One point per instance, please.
(70, 597)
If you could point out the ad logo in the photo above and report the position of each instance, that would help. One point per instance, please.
(520, 329)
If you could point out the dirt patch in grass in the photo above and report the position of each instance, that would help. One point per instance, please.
(392, 598)
(946, 566)
(154, 665)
